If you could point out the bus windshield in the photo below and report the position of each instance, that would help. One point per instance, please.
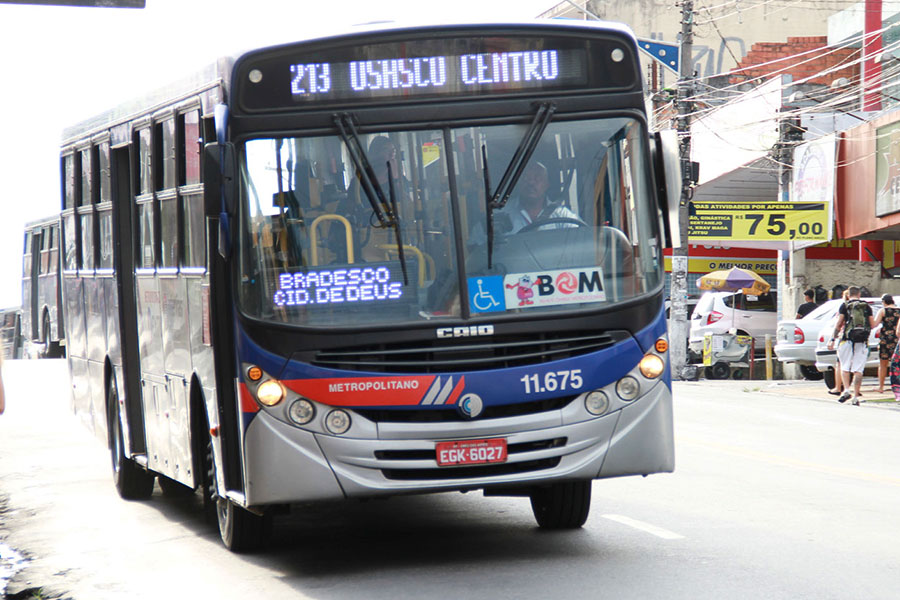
(413, 239)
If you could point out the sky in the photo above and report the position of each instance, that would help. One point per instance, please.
(60, 65)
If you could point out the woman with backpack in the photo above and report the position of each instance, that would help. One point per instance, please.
(889, 317)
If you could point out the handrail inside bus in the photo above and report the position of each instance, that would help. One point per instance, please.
(313, 236)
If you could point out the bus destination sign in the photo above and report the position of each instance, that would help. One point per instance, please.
(438, 75)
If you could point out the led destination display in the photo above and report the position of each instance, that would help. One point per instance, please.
(471, 65)
(359, 285)
(430, 75)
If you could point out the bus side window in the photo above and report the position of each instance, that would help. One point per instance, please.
(54, 250)
(45, 250)
(190, 144)
(146, 256)
(194, 232)
(168, 232)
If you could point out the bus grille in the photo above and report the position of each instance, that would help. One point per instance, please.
(442, 356)
(470, 472)
(451, 414)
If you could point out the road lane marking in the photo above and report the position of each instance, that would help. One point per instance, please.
(645, 527)
(783, 461)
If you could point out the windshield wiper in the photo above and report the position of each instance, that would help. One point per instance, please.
(514, 169)
(366, 174)
(386, 213)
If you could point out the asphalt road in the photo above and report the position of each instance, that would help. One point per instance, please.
(775, 495)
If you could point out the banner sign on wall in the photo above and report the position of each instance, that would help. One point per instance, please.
(887, 170)
(759, 221)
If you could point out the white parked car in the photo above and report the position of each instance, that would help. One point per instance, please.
(720, 312)
(826, 358)
(796, 338)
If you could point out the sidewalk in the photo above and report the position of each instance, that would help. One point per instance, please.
(819, 391)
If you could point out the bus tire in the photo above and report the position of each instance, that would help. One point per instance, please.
(241, 530)
(132, 482)
(562, 505)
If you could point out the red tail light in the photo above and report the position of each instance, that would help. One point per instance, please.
(799, 338)
(713, 316)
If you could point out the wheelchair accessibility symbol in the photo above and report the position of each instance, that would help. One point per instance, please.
(486, 294)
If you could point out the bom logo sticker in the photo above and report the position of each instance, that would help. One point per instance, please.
(571, 286)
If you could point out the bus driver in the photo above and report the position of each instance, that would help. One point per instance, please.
(532, 205)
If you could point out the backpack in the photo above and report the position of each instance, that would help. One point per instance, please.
(858, 322)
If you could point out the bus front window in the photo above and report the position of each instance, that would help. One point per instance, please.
(577, 230)
(319, 245)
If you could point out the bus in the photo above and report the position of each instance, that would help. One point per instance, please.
(42, 321)
(402, 260)
(11, 332)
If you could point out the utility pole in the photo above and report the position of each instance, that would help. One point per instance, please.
(678, 289)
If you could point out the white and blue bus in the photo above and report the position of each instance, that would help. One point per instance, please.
(403, 260)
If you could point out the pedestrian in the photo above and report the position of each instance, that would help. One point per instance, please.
(889, 318)
(855, 318)
(838, 381)
(894, 369)
(808, 306)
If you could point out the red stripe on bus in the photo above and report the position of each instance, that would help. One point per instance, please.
(248, 403)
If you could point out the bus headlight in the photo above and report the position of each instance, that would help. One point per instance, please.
(337, 422)
(270, 392)
(302, 411)
(652, 366)
(628, 388)
(596, 403)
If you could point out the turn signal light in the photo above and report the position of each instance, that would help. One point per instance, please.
(254, 373)
(662, 345)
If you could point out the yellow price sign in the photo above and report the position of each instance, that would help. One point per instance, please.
(763, 221)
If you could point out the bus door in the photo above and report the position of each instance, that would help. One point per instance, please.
(126, 314)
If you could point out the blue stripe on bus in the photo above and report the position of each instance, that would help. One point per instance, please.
(496, 386)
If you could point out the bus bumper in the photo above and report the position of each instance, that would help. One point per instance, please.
(289, 464)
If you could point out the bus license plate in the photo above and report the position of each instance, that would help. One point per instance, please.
(471, 452)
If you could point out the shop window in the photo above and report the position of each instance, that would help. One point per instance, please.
(194, 231)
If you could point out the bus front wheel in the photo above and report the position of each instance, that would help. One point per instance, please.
(240, 529)
(562, 505)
